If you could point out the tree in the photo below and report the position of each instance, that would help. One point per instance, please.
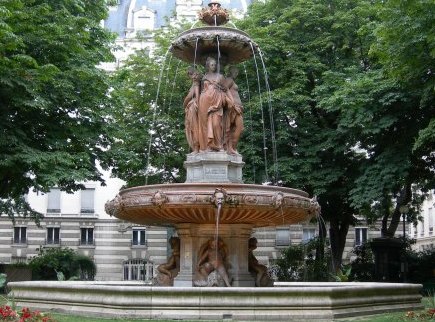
(389, 108)
(54, 102)
(149, 142)
(349, 128)
(310, 47)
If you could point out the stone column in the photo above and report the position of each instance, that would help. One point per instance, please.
(239, 235)
(185, 276)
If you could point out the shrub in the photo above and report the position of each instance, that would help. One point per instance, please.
(363, 267)
(52, 263)
(300, 263)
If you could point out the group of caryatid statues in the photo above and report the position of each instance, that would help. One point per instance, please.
(212, 265)
(213, 110)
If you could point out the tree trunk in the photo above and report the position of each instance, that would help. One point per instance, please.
(403, 199)
(338, 233)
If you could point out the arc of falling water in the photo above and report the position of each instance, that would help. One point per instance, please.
(272, 122)
(196, 49)
(262, 113)
(219, 54)
(154, 118)
(250, 117)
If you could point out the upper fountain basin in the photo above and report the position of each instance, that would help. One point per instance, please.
(172, 204)
(195, 45)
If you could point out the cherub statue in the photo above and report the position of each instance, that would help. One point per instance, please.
(212, 257)
(169, 270)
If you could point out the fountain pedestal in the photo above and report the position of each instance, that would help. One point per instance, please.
(193, 236)
(214, 167)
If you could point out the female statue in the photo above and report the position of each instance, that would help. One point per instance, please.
(234, 117)
(191, 103)
(212, 101)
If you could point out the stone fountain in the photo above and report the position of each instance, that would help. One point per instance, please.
(213, 203)
(214, 214)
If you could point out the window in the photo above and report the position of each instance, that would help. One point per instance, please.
(308, 234)
(53, 204)
(138, 270)
(53, 234)
(87, 201)
(86, 236)
(20, 235)
(430, 219)
(360, 236)
(422, 228)
(138, 237)
(282, 237)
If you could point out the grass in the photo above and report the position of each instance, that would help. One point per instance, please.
(429, 302)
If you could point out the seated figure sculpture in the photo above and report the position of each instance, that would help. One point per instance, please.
(262, 278)
(169, 270)
(212, 258)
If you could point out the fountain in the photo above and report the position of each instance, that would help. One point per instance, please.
(213, 273)
(214, 194)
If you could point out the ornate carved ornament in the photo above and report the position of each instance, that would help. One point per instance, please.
(114, 206)
(159, 198)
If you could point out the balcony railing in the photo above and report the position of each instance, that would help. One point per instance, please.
(137, 243)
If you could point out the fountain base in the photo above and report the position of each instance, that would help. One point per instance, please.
(284, 302)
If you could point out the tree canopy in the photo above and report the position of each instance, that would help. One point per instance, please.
(54, 99)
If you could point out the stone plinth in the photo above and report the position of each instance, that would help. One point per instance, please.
(387, 253)
(214, 167)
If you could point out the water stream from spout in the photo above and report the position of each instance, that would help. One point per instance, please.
(271, 117)
(250, 118)
(262, 114)
(153, 123)
(218, 214)
(219, 55)
(168, 68)
(174, 84)
(196, 50)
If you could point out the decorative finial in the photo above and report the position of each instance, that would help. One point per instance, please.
(214, 15)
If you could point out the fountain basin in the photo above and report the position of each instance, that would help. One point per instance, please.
(199, 43)
(284, 302)
(172, 204)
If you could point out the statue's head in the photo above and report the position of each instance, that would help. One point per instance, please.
(211, 64)
(233, 72)
(252, 243)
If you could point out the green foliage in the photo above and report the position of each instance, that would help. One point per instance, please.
(299, 263)
(54, 98)
(355, 118)
(150, 92)
(2, 281)
(62, 264)
(363, 267)
(342, 275)
(421, 268)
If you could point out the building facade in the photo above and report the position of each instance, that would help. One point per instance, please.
(423, 232)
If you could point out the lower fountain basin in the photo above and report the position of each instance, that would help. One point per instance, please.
(172, 204)
(284, 302)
